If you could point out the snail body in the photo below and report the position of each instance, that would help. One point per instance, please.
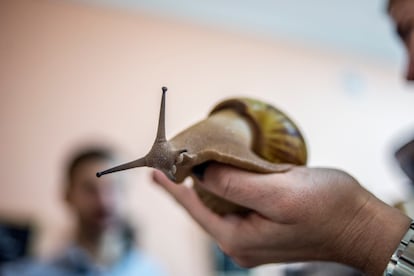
(241, 132)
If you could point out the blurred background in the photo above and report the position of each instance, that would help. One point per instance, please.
(85, 71)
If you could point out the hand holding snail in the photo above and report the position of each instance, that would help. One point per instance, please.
(303, 214)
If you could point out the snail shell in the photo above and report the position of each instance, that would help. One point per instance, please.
(241, 132)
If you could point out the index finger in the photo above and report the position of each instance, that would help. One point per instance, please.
(212, 223)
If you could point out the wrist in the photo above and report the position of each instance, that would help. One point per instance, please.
(375, 233)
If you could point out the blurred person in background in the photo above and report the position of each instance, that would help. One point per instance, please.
(307, 214)
(104, 242)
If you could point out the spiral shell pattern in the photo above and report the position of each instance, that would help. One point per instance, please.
(277, 139)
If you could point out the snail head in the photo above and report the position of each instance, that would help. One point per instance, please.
(162, 155)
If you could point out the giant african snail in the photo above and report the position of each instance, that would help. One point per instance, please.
(240, 132)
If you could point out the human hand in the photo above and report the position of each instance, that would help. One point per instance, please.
(301, 215)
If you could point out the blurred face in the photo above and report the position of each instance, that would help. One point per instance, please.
(402, 11)
(95, 201)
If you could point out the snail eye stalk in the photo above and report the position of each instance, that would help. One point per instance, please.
(161, 156)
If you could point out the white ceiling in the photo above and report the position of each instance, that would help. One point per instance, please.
(359, 27)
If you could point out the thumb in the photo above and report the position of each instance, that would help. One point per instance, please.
(241, 187)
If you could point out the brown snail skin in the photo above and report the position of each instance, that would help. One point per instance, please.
(241, 132)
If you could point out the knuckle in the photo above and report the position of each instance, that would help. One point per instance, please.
(244, 262)
(230, 248)
(237, 253)
(226, 186)
(224, 182)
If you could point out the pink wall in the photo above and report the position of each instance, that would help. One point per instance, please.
(70, 73)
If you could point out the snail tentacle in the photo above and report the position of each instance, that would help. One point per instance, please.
(162, 155)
